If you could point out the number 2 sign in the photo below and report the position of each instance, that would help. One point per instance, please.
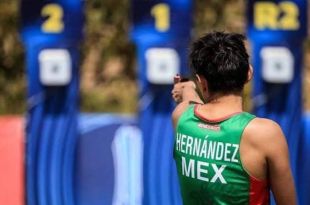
(60, 19)
(284, 18)
(54, 21)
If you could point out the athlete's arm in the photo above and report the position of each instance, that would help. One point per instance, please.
(183, 93)
(180, 108)
(272, 143)
(279, 171)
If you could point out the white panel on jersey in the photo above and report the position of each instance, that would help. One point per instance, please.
(55, 67)
(277, 64)
(162, 64)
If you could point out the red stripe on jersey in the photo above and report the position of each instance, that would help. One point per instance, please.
(259, 192)
(217, 120)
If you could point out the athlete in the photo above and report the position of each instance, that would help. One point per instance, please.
(224, 155)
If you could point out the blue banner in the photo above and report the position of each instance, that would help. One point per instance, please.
(161, 31)
(277, 30)
(51, 31)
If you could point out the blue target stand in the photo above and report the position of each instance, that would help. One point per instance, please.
(277, 30)
(51, 32)
(161, 32)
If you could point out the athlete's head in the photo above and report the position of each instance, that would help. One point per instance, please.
(221, 60)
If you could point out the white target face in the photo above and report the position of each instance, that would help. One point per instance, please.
(55, 67)
(277, 64)
(162, 64)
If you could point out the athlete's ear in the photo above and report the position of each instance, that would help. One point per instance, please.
(202, 82)
(202, 87)
(250, 73)
(198, 78)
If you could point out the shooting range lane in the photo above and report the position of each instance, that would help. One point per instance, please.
(277, 56)
(51, 32)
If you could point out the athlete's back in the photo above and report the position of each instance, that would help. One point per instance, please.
(232, 160)
(208, 161)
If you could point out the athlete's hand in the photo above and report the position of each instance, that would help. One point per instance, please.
(178, 89)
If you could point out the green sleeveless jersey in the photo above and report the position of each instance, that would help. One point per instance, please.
(208, 161)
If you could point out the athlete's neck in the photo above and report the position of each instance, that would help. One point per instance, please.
(218, 105)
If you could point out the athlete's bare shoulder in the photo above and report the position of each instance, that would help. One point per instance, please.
(263, 126)
(178, 111)
(266, 135)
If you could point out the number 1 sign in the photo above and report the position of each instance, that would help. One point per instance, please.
(164, 19)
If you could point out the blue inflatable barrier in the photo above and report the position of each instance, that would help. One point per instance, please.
(108, 167)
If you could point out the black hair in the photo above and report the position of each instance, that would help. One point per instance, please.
(222, 59)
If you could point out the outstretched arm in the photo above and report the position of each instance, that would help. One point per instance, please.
(183, 93)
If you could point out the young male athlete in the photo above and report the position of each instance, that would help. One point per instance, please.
(224, 155)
